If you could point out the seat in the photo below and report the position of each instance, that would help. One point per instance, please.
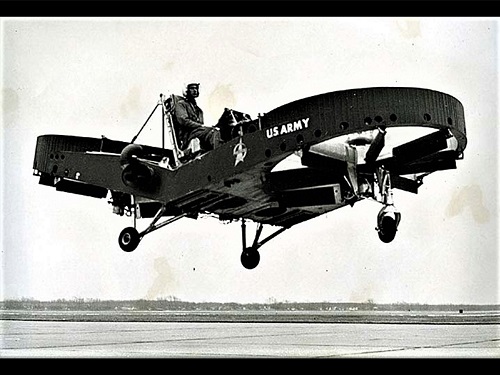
(179, 154)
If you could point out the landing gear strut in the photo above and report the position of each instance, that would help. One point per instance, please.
(129, 237)
(250, 256)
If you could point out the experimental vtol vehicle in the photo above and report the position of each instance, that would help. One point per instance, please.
(344, 142)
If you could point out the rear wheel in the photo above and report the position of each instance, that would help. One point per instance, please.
(250, 258)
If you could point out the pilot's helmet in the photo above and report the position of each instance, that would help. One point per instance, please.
(187, 85)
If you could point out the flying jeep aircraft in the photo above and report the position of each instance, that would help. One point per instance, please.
(342, 139)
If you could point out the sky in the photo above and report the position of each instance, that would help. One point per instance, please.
(103, 76)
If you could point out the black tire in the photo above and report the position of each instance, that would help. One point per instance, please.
(129, 239)
(250, 258)
(387, 230)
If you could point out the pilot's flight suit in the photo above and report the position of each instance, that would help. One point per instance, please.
(188, 123)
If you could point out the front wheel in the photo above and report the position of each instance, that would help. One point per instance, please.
(387, 230)
(129, 239)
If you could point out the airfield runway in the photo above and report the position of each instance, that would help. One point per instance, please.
(86, 339)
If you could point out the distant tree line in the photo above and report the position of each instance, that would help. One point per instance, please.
(174, 304)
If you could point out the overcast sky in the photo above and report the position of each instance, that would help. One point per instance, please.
(93, 77)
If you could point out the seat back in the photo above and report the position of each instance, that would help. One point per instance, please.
(181, 152)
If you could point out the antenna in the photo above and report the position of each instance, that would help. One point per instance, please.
(157, 104)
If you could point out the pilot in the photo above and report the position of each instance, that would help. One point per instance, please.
(188, 121)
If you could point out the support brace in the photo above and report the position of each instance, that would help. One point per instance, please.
(152, 227)
(256, 244)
